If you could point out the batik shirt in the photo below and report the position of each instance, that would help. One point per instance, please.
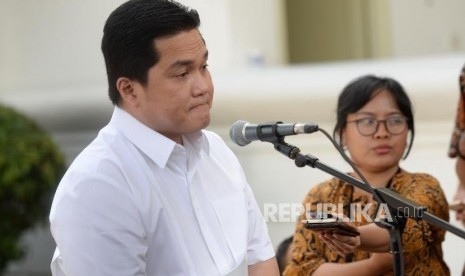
(421, 241)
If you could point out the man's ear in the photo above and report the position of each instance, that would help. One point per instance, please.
(127, 90)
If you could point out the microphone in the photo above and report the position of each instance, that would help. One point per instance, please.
(242, 132)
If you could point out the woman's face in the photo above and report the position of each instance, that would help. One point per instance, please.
(381, 150)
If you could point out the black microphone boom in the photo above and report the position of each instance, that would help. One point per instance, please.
(242, 132)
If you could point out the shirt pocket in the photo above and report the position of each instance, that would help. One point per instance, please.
(231, 212)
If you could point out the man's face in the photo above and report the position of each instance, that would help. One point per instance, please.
(178, 95)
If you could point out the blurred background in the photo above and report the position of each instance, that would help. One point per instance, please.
(271, 60)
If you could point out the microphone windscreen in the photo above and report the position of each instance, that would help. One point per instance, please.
(236, 133)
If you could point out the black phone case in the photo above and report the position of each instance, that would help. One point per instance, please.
(332, 227)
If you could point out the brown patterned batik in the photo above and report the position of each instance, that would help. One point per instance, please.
(421, 241)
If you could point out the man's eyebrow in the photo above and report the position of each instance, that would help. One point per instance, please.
(181, 63)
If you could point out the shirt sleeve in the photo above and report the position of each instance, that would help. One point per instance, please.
(259, 246)
(97, 228)
(307, 248)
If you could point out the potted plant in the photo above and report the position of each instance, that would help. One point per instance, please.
(30, 168)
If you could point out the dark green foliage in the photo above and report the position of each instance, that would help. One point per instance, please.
(30, 168)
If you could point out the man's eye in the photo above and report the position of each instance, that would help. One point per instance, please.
(182, 75)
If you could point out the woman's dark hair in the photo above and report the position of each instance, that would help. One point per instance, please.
(128, 37)
(360, 91)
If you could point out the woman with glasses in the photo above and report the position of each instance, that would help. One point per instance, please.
(375, 126)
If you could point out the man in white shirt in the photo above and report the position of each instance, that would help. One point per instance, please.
(154, 193)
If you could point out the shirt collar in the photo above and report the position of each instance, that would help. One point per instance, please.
(156, 146)
(197, 142)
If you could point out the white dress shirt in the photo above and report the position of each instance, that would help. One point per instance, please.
(136, 203)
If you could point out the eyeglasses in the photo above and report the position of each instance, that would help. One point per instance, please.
(368, 126)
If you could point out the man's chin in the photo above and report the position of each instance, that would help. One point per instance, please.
(205, 123)
(200, 124)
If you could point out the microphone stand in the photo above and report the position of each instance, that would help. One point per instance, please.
(383, 195)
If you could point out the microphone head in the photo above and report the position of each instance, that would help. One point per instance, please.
(236, 133)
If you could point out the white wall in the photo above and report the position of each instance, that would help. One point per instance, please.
(56, 43)
(51, 43)
(258, 32)
(422, 27)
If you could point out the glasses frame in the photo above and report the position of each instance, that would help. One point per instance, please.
(357, 123)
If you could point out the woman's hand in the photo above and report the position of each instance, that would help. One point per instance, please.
(381, 262)
(460, 196)
(338, 242)
(341, 244)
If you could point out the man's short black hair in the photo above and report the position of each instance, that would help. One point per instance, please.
(128, 37)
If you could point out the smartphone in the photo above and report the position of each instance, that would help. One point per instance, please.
(330, 225)
(457, 205)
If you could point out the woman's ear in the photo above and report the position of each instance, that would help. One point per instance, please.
(127, 90)
(342, 141)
